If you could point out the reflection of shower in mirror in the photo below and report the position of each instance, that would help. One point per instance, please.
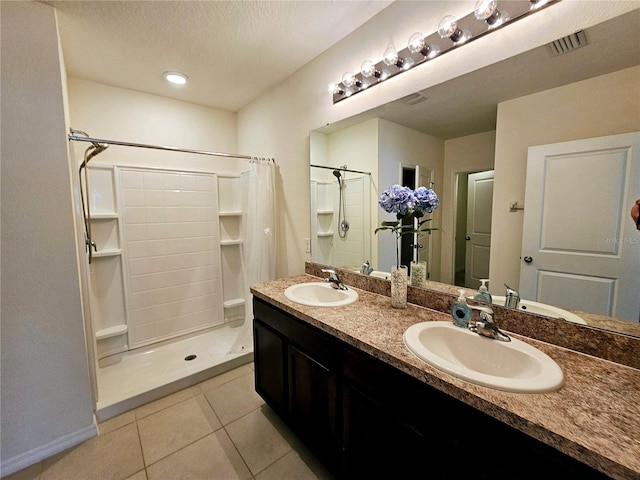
(343, 224)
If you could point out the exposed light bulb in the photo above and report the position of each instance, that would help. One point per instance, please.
(368, 69)
(390, 57)
(176, 78)
(448, 28)
(487, 10)
(348, 79)
(417, 44)
(335, 89)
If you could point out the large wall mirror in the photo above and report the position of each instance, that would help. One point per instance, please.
(472, 140)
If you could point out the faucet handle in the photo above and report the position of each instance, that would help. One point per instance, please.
(333, 276)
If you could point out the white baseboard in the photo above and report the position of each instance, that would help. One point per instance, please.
(24, 460)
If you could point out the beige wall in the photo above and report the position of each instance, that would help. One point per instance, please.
(604, 105)
(472, 153)
(115, 113)
(46, 395)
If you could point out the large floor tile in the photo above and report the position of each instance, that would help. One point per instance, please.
(213, 457)
(235, 398)
(208, 385)
(293, 467)
(116, 422)
(173, 428)
(164, 402)
(115, 455)
(258, 440)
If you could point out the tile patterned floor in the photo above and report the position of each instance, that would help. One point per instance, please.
(218, 429)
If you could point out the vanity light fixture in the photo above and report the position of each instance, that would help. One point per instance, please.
(176, 78)
(452, 33)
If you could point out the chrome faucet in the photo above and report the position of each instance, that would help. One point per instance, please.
(486, 326)
(366, 268)
(512, 299)
(334, 279)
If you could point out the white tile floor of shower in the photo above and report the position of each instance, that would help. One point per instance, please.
(131, 379)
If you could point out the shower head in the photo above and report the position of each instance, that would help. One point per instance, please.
(338, 176)
(98, 148)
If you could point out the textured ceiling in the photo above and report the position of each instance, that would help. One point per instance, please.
(232, 51)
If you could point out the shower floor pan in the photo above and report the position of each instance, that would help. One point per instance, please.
(134, 378)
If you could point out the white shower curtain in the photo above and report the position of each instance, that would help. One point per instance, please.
(258, 230)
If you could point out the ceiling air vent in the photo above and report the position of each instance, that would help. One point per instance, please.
(569, 43)
(414, 98)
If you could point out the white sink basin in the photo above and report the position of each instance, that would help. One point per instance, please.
(513, 366)
(542, 309)
(320, 294)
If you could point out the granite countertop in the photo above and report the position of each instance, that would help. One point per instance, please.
(594, 417)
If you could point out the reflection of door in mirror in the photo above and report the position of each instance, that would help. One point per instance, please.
(472, 241)
(479, 205)
(417, 247)
(593, 264)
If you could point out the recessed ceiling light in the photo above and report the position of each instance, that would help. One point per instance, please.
(176, 78)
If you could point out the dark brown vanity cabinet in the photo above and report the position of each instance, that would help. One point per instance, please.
(366, 419)
(295, 372)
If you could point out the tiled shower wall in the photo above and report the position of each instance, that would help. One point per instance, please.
(171, 244)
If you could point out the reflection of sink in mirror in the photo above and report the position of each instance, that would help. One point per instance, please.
(513, 366)
(542, 309)
(320, 294)
(378, 274)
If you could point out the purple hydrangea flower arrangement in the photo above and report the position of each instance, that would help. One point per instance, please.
(408, 205)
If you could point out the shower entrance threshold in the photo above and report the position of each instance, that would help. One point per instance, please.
(129, 380)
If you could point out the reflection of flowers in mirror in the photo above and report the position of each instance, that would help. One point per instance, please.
(408, 205)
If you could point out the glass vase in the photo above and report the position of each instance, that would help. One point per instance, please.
(419, 274)
(399, 281)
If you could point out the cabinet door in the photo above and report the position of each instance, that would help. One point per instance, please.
(313, 405)
(379, 445)
(269, 350)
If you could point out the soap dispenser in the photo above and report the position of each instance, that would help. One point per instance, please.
(483, 295)
(461, 312)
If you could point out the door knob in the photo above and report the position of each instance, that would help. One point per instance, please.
(467, 238)
(528, 259)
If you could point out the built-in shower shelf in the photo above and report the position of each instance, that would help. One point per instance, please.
(107, 252)
(235, 213)
(325, 212)
(111, 332)
(230, 242)
(104, 216)
(325, 234)
(234, 302)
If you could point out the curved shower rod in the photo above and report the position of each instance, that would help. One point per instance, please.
(95, 141)
(340, 169)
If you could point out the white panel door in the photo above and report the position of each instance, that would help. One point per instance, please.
(479, 209)
(580, 247)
